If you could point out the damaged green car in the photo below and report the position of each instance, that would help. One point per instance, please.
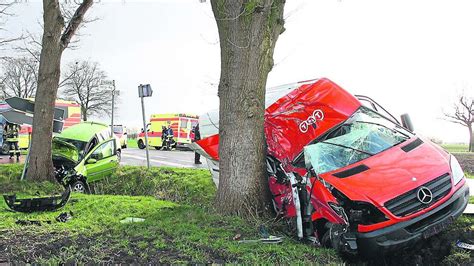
(85, 153)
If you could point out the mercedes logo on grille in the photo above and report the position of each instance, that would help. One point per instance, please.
(424, 195)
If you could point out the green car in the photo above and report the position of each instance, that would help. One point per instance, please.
(84, 153)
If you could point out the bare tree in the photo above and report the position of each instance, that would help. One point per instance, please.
(83, 84)
(55, 39)
(5, 5)
(19, 77)
(248, 32)
(462, 113)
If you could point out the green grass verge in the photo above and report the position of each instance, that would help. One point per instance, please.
(180, 225)
(469, 175)
(175, 184)
(455, 147)
(171, 233)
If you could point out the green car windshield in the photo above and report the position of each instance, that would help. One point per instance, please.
(364, 134)
(79, 146)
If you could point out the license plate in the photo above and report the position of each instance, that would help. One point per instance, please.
(433, 230)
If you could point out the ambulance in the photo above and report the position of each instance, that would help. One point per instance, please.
(72, 116)
(182, 125)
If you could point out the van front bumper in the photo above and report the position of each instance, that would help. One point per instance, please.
(404, 234)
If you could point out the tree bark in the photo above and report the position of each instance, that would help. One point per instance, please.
(471, 138)
(53, 44)
(248, 31)
(40, 164)
(84, 113)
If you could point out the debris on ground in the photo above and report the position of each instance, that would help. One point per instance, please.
(464, 245)
(132, 220)
(268, 240)
(237, 237)
(469, 209)
(37, 204)
(64, 217)
(31, 222)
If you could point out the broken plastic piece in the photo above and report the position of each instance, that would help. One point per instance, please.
(37, 204)
(64, 217)
(132, 220)
(464, 245)
(268, 240)
(31, 222)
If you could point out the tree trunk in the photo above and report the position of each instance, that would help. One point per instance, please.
(471, 138)
(53, 44)
(248, 31)
(84, 114)
(40, 164)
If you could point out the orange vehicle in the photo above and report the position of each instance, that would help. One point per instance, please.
(181, 124)
(72, 116)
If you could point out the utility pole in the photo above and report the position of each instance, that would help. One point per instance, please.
(145, 91)
(112, 116)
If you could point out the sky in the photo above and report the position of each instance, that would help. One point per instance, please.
(410, 56)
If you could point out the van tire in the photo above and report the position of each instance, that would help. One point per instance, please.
(141, 145)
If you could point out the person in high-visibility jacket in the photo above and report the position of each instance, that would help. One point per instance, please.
(12, 140)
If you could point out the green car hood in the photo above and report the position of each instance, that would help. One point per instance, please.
(65, 150)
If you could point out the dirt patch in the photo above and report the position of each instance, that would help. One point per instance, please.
(27, 246)
(466, 159)
(22, 247)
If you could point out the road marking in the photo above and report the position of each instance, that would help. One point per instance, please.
(157, 161)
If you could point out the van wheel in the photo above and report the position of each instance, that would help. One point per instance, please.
(141, 145)
(80, 187)
(326, 240)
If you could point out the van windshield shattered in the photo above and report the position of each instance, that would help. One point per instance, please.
(364, 134)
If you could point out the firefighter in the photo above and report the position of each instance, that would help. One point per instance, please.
(12, 140)
(197, 136)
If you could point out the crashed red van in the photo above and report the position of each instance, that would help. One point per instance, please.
(348, 172)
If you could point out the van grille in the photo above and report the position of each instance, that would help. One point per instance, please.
(408, 203)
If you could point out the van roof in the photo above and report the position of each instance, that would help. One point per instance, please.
(83, 131)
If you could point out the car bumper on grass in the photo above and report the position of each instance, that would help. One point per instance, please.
(404, 234)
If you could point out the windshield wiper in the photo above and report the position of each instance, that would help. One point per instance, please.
(347, 147)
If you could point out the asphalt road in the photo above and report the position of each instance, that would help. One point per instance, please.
(137, 157)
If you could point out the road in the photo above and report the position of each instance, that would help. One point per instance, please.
(137, 157)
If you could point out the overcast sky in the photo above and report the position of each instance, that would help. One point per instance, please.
(410, 56)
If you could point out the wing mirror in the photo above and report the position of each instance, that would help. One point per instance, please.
(406, 122)
(91, 161)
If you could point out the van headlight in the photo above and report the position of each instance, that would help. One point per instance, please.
(456, 169)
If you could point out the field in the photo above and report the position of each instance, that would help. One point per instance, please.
(455, 147)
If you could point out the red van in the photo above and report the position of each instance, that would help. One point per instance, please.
(349, 173)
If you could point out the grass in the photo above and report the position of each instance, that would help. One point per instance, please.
(180, 224)
(469, 175)
(455, 147)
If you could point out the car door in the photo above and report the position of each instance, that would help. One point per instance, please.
(104, 160)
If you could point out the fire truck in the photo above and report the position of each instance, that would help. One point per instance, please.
(182, 125)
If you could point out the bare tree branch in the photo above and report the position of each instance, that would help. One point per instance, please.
(19, 77)
(82, 84)
(75, 22)
(462, 113)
